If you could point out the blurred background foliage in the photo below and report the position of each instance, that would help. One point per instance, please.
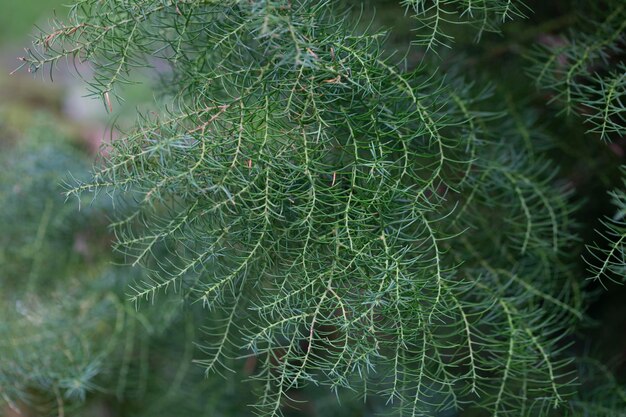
(18, 18)
(105, 348)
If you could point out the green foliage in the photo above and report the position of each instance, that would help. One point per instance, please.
(335, 220)
(585, 72)
(610, 262)
(28, 192)
(601, 394)
(435, 17)
(19, 21)
(67, 330)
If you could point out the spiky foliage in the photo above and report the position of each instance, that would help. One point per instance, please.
(585, 69)
(436, 18)
(587, 74)
(342, 220)
(80, 337)
(601, 395)
(610, 262)
(40, 352)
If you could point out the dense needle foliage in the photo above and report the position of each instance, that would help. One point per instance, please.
(325, 215)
